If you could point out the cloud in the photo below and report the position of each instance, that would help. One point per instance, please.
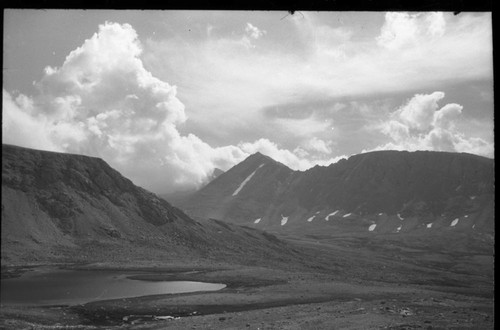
(223, 77)
(103, 102)
(419, 112)
(445, 117)
(406, 30)
(21, 126)
(318, 145)
(254, 31)
(302, 100)
(300, 159)
(303, 128)
(421, 125)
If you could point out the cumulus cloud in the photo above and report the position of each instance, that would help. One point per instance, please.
(419, 112)
(300, 159)
(254, 31)
(404, 29)
(421, 125)
(23, 127)
(103, 102)
(221, 76)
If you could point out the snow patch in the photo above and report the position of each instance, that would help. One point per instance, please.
(454, 222)
(429, 225)
(472, 197)
(317, 212)
(399, 216)
(311, 218)
(346, 215)
(466, 216)
(245, 181)
(380, 214)
(164, 318)
(473, 226)
(398, 229)
(257, 220)
(331, 214)
(372, 227)
(283, 220)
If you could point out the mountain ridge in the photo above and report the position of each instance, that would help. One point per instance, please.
(422, 186)
(62, 207)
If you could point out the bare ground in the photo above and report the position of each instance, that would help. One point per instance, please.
(347, 283)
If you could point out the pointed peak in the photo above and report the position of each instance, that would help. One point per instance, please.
(258, 156)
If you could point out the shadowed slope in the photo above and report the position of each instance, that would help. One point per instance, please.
(387, 189)
(69, 206)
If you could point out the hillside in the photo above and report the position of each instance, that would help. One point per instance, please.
(70, 207)
(380, 192)
(240, 193)
(69, 212)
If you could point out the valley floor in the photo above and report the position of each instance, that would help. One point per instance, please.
(344, 283)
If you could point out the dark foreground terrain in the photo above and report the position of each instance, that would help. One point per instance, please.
(348, 283)
(72, 211)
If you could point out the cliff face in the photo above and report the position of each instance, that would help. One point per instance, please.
(388, 189)
(53, 202)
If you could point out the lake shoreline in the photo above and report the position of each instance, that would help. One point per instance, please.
(254, 294)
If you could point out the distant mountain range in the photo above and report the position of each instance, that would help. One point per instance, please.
(379, 192)
(65, 207)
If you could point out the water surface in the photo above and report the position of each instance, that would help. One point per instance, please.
(71, 287)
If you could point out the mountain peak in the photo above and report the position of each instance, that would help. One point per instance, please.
(422, 185)
(258, 155)
(261, 158)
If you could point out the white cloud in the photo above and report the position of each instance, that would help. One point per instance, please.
(21, 126)
(396, 130)
(103, 102)
(421, 125)
(221, 77)
(446, 115)
(317, 145)
(299, 159)
(437, 24)
(406, 30)
(419, 112)
(303, 127)
(254, 31)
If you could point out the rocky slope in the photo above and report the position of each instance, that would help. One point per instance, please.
(65, 206)
(242, 192)
(379, 192)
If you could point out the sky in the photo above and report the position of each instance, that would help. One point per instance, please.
(165, 97)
